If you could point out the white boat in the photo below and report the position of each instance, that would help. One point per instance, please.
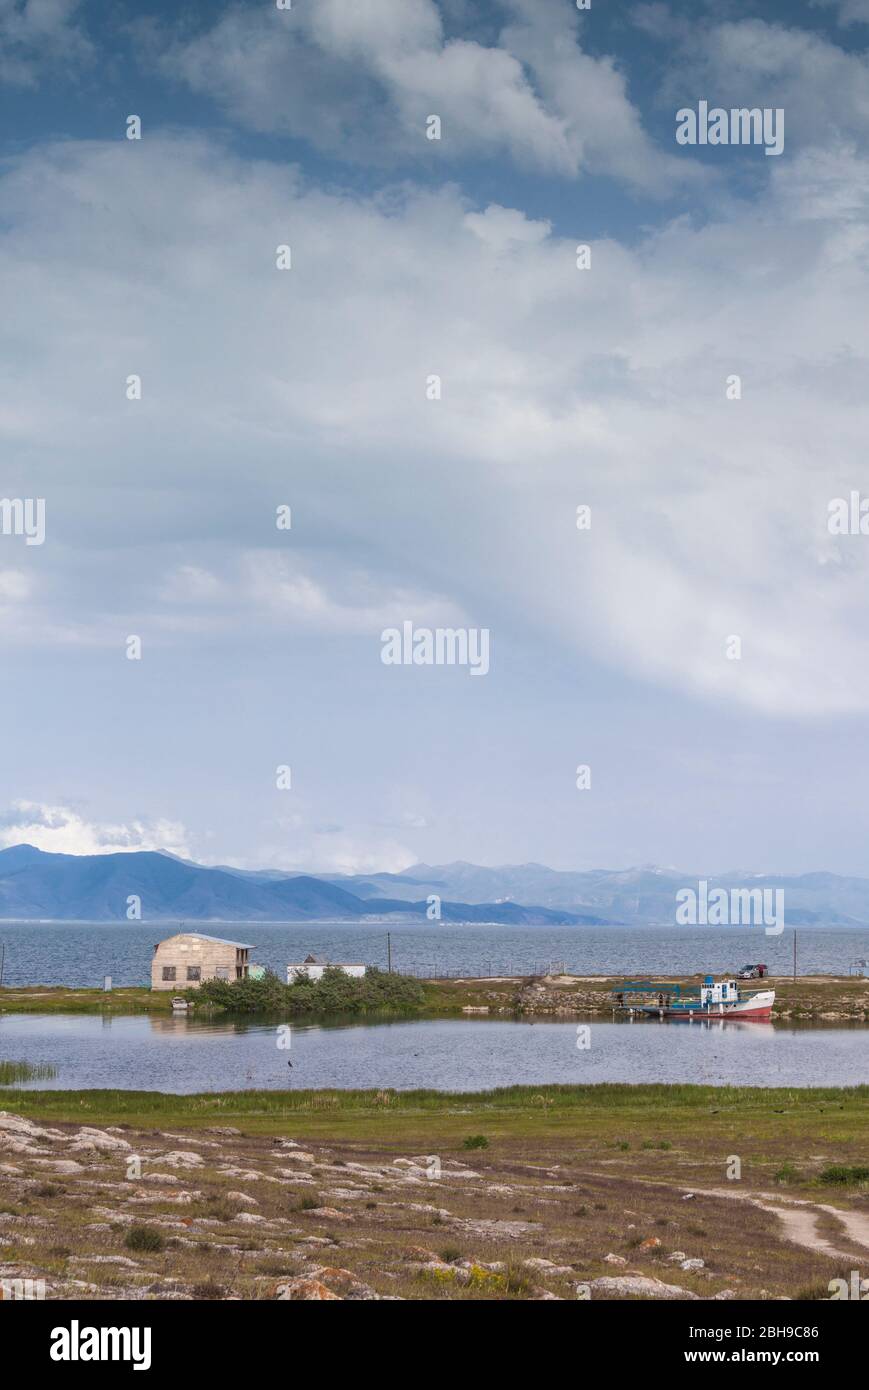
(714, 999)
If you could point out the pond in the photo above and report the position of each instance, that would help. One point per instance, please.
(183, 1055)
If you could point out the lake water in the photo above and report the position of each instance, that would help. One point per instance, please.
(183, 1056)
(81, 954)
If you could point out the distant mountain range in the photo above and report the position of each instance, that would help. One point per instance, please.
(618, 895)
(96, 888)
(643, 895)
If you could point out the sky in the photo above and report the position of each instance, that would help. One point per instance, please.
(169, 390)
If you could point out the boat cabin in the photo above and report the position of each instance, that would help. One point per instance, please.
(724, 992)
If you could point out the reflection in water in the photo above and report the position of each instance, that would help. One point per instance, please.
(183, 1054)
(760, 1027)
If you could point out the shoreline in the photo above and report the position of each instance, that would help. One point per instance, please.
(811, 998)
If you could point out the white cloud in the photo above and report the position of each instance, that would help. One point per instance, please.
(823, 89)
(602, 129)
(848, 11)
(191, 584)
(506, 228)
(361, 80)
(336, 853)
(14, 586)
(559, 387)
(366, 606)
(61, 830)
(39, 35)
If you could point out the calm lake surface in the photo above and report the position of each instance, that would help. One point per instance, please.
(82, 954)
(183, 1056)
(187, 1055)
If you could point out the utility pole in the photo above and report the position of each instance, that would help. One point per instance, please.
(795, 955)
(389, 951)
(2, 961)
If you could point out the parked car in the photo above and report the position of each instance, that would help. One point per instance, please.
(752, 972)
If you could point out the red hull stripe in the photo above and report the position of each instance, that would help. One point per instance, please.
(712, 1013)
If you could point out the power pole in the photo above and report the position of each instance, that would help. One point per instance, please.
(795, 955)
(389, 952)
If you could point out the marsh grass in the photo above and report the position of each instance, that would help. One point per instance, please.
(11, 1073)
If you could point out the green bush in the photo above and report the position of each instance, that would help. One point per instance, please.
(839, 1174)
(308, 1204)
(144, 1238)
(786, 1173)
(452, 1255)
(335, 993)
(475, 1141)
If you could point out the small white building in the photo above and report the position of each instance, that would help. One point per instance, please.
(314, 967)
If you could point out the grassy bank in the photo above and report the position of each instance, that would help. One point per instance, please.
(59, 999)
(811, 999)
(398, 1117)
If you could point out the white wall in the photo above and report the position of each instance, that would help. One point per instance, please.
(315, 972)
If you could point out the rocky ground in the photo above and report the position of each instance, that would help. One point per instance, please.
(118, 1212)
(811, 998)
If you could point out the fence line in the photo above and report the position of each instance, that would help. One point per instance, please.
(483, 970)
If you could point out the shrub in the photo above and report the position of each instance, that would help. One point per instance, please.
(145, 1239)
(516, 1281)
(208, 1291)
(335, 993)
(841, 1175)
(475, 1141)
(813, 1293)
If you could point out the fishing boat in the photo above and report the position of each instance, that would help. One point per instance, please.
(712, 999)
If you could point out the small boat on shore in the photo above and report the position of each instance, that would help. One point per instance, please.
(712, 999)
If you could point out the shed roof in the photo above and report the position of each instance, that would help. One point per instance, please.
(215, 940)
(318, 960)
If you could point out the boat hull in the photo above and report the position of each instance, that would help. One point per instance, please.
(757, 1006)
